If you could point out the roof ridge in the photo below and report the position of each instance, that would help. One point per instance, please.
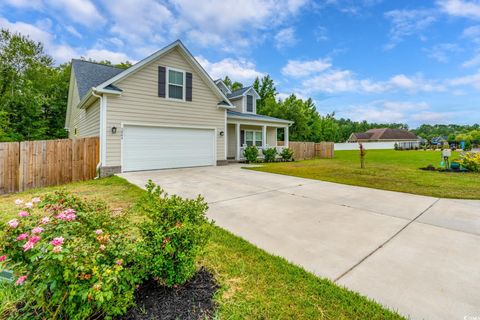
(98, 63)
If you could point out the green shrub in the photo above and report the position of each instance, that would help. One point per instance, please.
(251, 154)
(71, 259)
(468, 146)
(174, 233)
(470, 161)
(270, 154)
(286, 154)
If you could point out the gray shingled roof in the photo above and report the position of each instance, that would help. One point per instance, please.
(90, 74)
(253, 116)
(238, 92)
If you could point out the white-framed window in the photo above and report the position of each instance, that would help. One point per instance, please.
(253, 138)
(175, 84)
(250, 103)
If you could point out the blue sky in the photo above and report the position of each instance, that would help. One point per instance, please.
(385, 61)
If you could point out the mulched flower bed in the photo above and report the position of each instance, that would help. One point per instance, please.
(194, 300)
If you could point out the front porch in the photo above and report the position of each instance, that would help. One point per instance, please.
(263, 135)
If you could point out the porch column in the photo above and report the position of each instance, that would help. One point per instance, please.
(264, 136)
(285, 134)
(237, 138)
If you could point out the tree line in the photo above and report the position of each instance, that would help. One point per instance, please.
(450, 132)
(34, 94)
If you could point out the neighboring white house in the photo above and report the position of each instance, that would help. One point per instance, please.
(164, 112)
(382, 138)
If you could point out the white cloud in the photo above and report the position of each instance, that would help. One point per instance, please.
(298, 68)
(405, 105)
(443, 51)
(141, 21)
(144, 26)
(469, 80)
(432, 117)
(374, 112)
(206, 21)
(59, 51)
(338, 81)
(461, 8)
(73, 31)
(414, 84)
(219, 16)
(369, 86)
(472, 32)
(103, 54)
(285, 38)
(284, 95)
(472, 62)
(395, 112)
(80, 11)
(83, 12)
(405, 23)
(331, 82)
(33, 4)
(236, 69)
(321, 33)
(34, 32)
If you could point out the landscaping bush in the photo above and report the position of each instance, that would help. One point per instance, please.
(251, 154)
(470, 161)
(174, 232)
(270, 154)
(71, 258)
(286, 154)
(468, 146)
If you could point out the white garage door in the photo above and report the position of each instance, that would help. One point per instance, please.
(150, 148)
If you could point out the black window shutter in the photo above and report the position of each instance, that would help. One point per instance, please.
(161, 81)
(188, 95)
(242, 137)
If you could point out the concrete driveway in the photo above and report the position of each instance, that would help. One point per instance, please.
(414, 254)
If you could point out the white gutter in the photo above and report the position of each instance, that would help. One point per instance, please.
(103, 126)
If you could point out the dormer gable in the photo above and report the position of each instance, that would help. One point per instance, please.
(244, 99)
(223, 87)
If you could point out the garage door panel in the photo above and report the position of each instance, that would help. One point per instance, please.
(149, 148)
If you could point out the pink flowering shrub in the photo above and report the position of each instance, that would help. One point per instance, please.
(174, 233)
(65, 267)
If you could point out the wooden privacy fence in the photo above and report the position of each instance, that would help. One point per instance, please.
(31, 164)
(309, 150)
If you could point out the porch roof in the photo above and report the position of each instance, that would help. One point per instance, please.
(252, 116)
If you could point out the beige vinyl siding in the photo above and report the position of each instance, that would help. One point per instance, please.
(272, 136)
(238, 103)
(139, 103)
(89, 120)
(73, 101)
(86, 121)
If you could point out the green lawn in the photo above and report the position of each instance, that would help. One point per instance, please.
(388, 170)
(254, 284)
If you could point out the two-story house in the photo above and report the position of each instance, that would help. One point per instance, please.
(164, 112)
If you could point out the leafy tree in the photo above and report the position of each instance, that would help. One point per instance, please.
(26, 87)
(266, 90)
(123, 65)
(428, 131)
(232, 85)
(236, 85)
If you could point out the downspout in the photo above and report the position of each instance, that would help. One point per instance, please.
(102, 131)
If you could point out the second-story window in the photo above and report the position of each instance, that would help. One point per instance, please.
(175, 84)
(249, 103)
